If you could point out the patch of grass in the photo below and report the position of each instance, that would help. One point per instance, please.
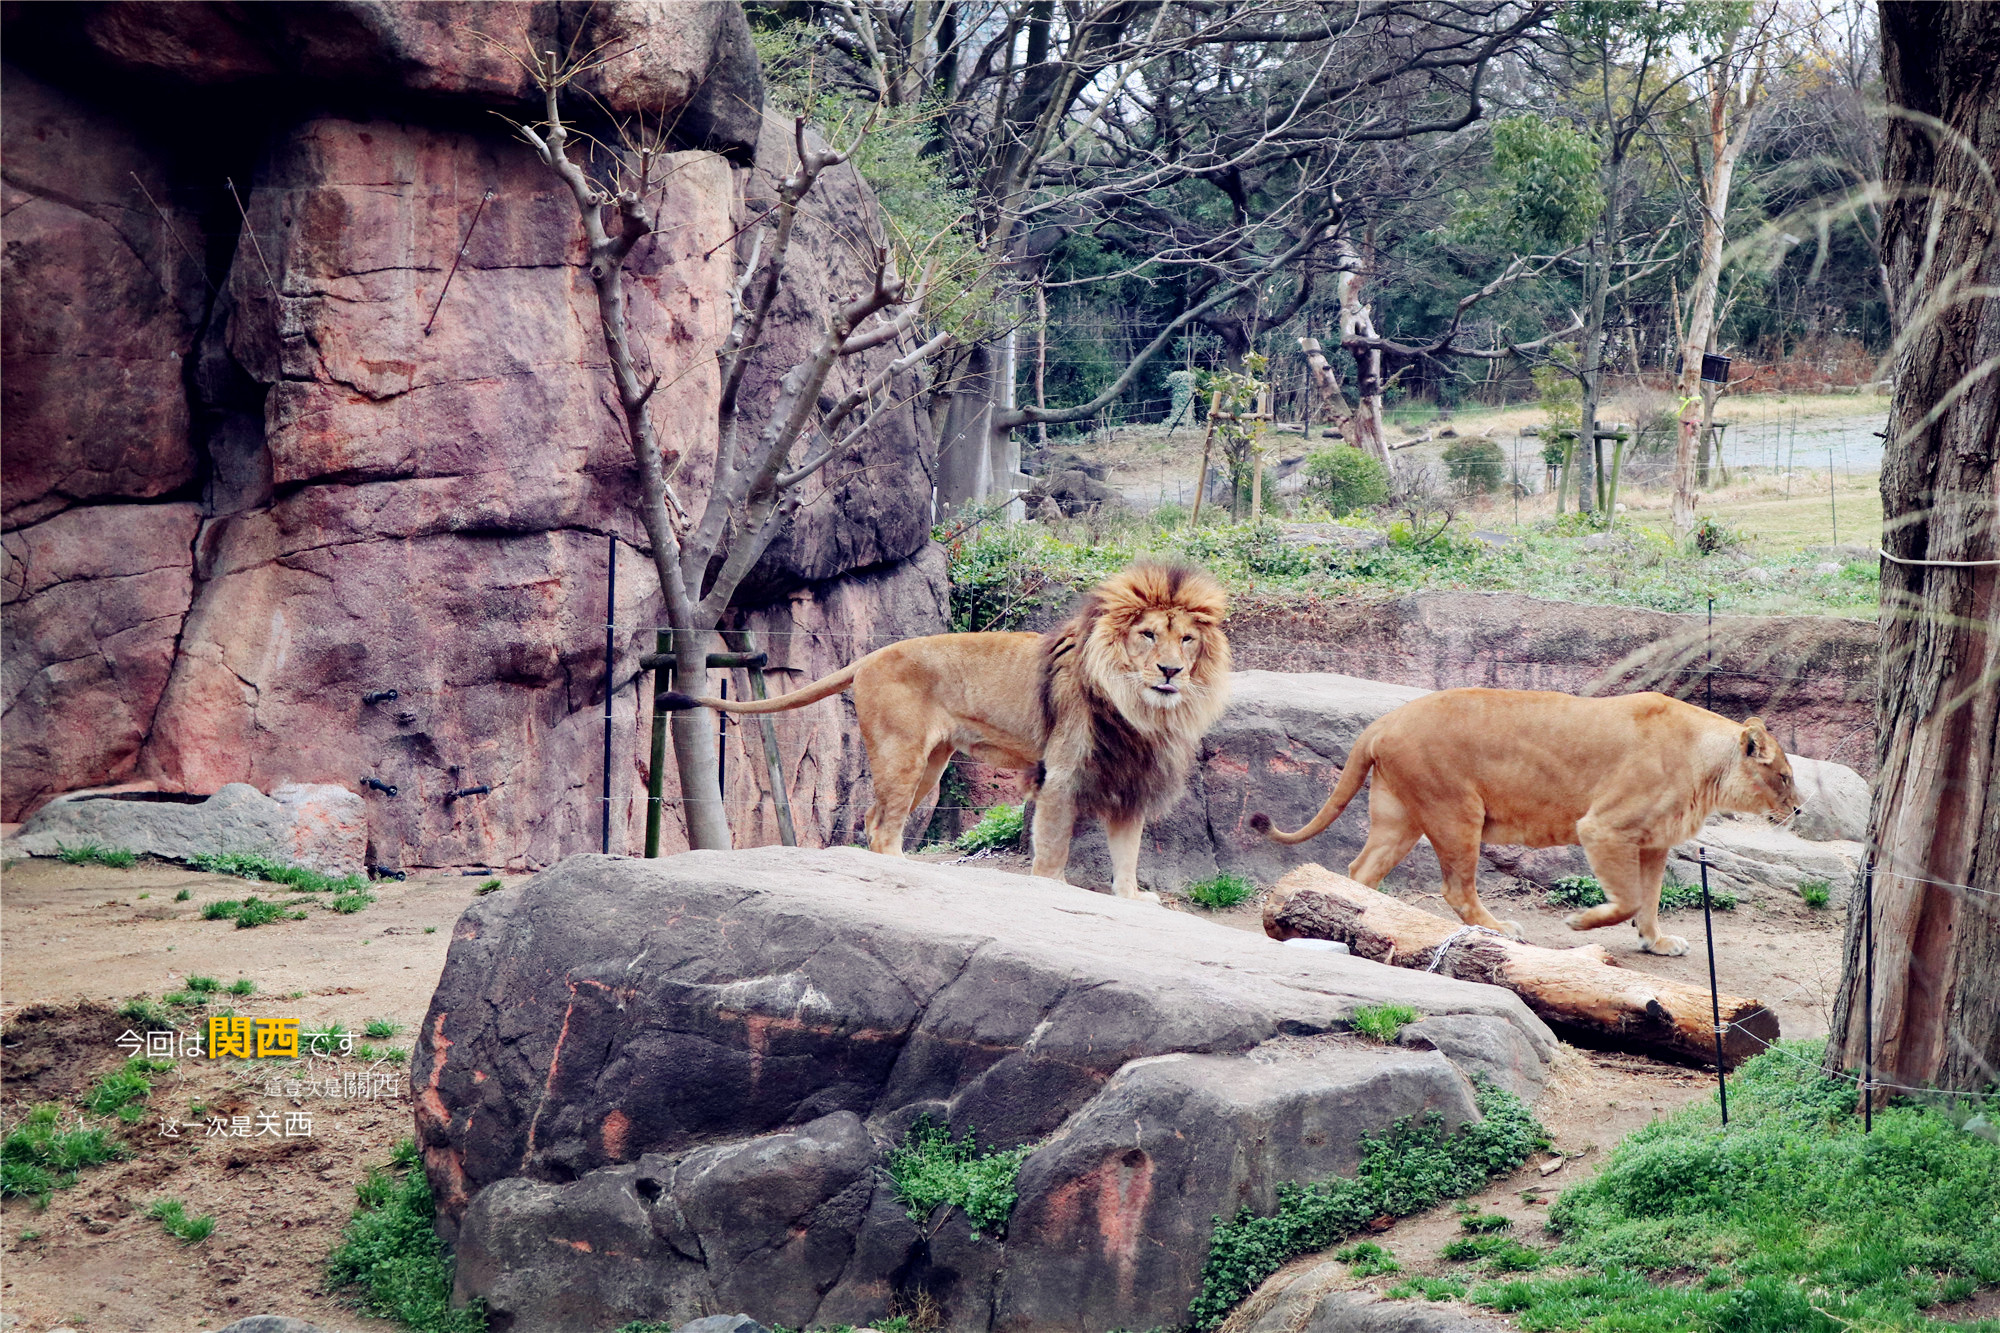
(222, 909)
(258, 912)
(1367, 1259)
(348, 903)
(1220, 891)
(172, 1216)
(145, 1014)
(931, 1169)
(390, 1260)
(487, 886)
(1427, 1288)
(203, 984)
(122, 1092)
(1415, 1165)
(1478, 1224)
(1675, 896)
(1816, 892)
(1799, 1221)
(1000, 828)
(96, 853)
(38, 1156)
(183, 896)
(1381, 1022)
(379, 1028)
(242, 986)
(1503, 1254)
(430, 930)
(183, 999)
(250, 865)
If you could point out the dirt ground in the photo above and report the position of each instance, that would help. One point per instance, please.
(81, 940)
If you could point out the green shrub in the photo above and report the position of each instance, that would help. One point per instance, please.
(1344, 479)
(1414, 1166)
(1713, 538)
(1675, 896)
(930, 1169)
(1475, 465)
(1220, 891)
(1816, 892)
(1382, 1022)
(172, 1216)
(183, 896)
(390, 1259)
(1000, 828)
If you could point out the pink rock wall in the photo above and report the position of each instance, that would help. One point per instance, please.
(340, 503)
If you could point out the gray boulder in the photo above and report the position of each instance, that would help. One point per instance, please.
(272, 1323)
(1307, 1300)
(656, 1088)
(1755, 859)
(317, 825)
(1833, 801)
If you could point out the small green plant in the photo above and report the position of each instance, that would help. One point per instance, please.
(1675, 896)
(1344, 479)
(222, 909)
(1427, 1288)
(203, 984)
(144, 1014)
(930, 1169)
(1416, 1165)
(183, 896)
(1220, 891)
(487, 886)
(1503, 1254)
(1816, 892)
(123, 1092)
(1475, 465)
(250, 865)
(999, 828)
(1576, 891)
(172, 1216)
(96, 853)
(390, 1259)
(430, 930)
(38, 1156)
(30, 1235)
(380, 1028)
(1713, 538)
(348, 903)
(1478, 1223)
(1367, 1259)
(242, 986)
(183, 999)
(1381, 1022)
(258, 912)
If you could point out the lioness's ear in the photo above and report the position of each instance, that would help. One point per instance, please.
(1756, 740)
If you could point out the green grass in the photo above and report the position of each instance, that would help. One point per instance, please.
(347, 903)
(172, 1216)
(205, 985)
(242, 986)
(249, 865)
(1415, 1165)
(146, 1014)
(930, 1169)
(1367, 1259)
(1503, 1254)
(96, 853)
(390, 1262)
(1816, 892)
(380, 1028)
(38, 1156)
(183, 896)
(1000, 828)
(123, 1092)
(1796, 1220)
(1006, 576)
(487, 886)
(1675, 896)
(1381, 1022)
(1427, 1289)
(1478, 1224)
(1220, 891)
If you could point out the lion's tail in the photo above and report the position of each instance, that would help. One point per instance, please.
(1351, 778)
(675, 701)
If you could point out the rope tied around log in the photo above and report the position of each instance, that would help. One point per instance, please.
(1437, 959)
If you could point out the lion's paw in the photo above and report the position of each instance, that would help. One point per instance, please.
(1512, 929)
(1574, 921)
(1148, 896)
(1672, 946)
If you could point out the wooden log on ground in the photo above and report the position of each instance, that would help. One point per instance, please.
(1583, 989)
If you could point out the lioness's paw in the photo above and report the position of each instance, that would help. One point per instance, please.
(1574, 921)
(1512, 930)
(1673, 946)
(1148, 896)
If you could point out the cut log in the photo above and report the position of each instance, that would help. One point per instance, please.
(1583, 990)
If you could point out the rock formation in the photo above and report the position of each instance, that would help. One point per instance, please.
(648, 1089)
(269, 457)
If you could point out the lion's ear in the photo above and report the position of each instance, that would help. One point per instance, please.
(1757, 741)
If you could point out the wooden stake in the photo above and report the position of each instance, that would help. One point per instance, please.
(1201, 481)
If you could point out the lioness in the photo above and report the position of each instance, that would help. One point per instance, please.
(1626, 778)
(1104, 715)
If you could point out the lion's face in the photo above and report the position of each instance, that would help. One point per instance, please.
(1158, 644)
(1760, 781)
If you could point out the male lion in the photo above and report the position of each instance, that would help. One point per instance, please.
(1104, 715)
(1626, 778)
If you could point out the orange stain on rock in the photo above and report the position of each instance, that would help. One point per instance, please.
(616, 1126)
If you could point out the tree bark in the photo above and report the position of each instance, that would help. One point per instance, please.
(1935, 822)
(1583, 990)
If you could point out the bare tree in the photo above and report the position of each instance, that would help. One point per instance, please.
(1935, 824)
(760, 469)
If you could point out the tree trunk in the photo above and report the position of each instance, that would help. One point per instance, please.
(1583, 989)
(1936, 816)
(1366, 431)
(697, 749)
(965, 446)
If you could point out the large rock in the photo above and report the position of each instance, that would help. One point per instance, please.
(648, 1089)
(365, 482)
(321, 827)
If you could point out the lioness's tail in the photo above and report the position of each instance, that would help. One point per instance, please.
(675, 701)
(1351, 778)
